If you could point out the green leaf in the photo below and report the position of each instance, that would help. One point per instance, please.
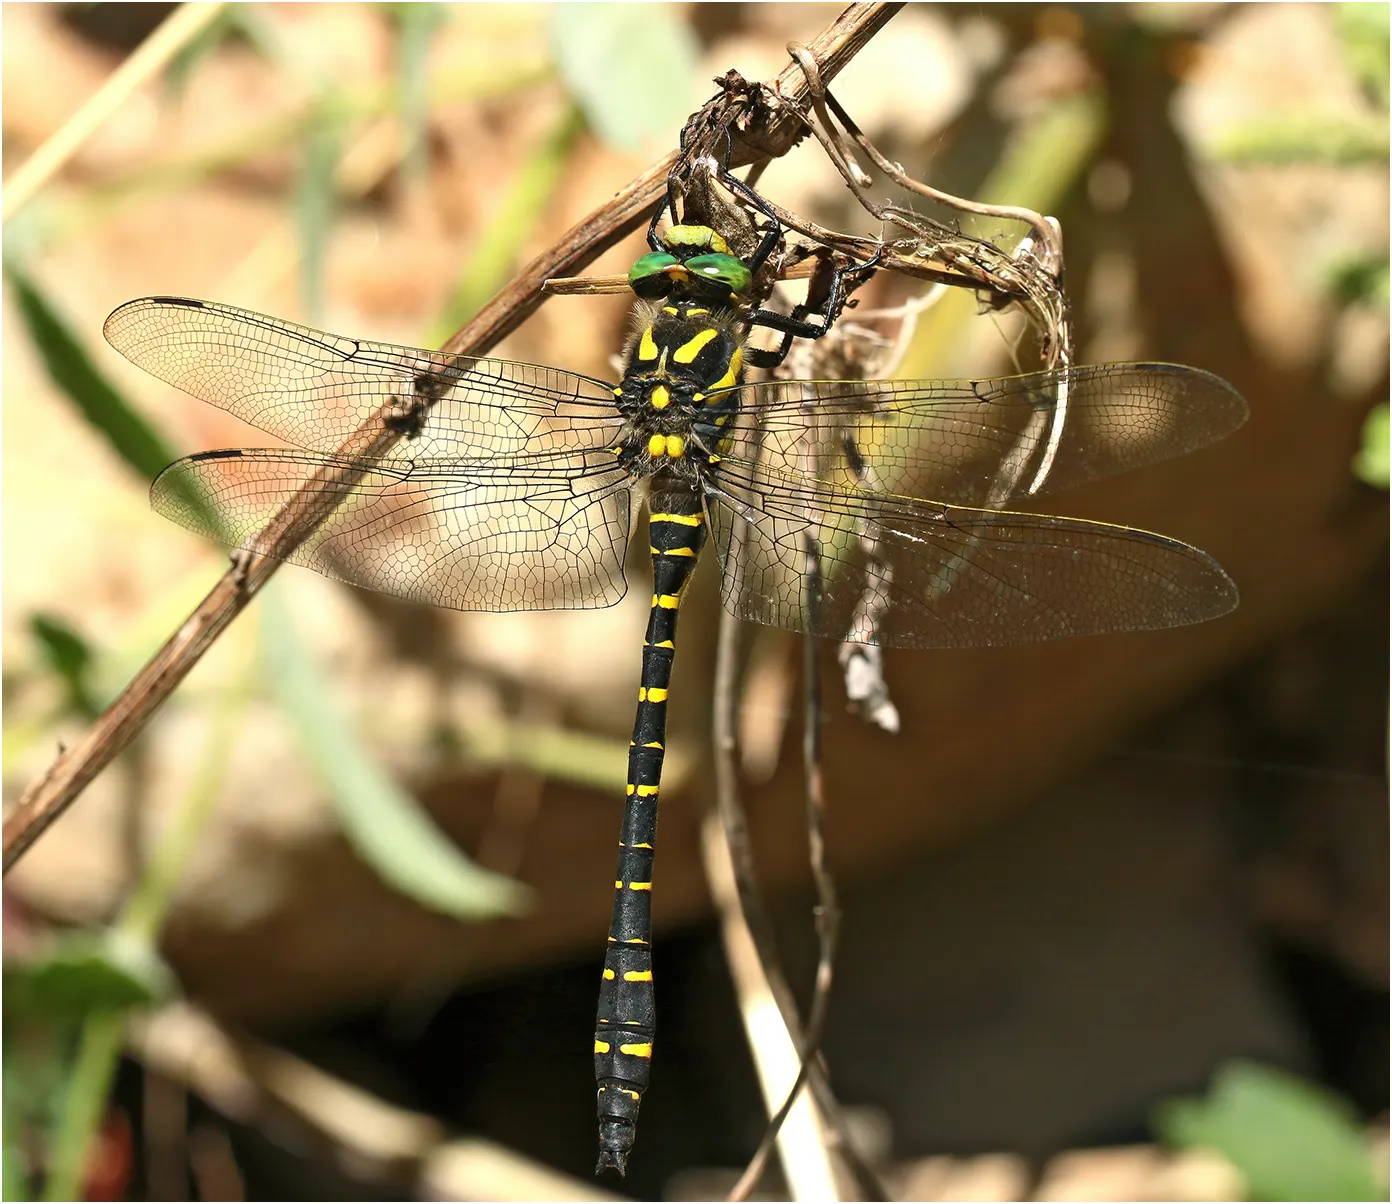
(1290, 1139)
(1359, 281)
(16, 1170)
(69, 656)
(129, 435)
(630, 67)
(386, 827)
(1370, 465)
(316, 200)
(81, 974)
(1305, 138)
(578, 758)
(416, 25)
(193, 55)
(1363, 30)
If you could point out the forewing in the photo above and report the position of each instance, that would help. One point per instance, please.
(986, 442)
(521, 533)
(903, 573)
(313, 389)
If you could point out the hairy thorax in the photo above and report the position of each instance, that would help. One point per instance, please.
(683, 364)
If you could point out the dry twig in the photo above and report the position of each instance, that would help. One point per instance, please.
(772, 129)
(748, 903)
(154, 54)
(1031, 277)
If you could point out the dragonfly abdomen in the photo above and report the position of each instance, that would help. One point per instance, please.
(627, 1010)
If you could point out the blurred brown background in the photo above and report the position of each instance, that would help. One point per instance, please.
(1084, 874)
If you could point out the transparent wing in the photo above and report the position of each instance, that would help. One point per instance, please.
(982, 443)
(314, 389)
(905, 573)
(516, 533)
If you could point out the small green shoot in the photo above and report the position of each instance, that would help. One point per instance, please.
(1290, 1139)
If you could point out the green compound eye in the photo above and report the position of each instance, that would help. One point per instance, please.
(721, 269)
(646, 277)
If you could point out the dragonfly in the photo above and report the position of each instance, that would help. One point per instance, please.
(868, 510)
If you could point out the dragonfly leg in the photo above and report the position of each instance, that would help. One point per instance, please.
(796, 325)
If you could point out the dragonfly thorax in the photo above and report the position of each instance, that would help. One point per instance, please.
(679, 387)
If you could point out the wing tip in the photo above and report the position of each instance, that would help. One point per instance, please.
(1234, 405)
(115, 326)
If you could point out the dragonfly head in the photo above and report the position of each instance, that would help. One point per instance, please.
(697, 263)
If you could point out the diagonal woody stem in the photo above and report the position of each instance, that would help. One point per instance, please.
(775, 132)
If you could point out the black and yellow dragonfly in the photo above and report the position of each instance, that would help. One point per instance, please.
(515, 492)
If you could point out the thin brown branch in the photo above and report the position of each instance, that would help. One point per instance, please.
(748, 906)
(774, 129)
(1045, 233)
(828, 923)
(1031, 277)
(828, 910)
(752, 915)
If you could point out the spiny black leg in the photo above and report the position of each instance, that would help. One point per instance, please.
(794, 325)
(654, 241)
(765, 248)
(759, 357)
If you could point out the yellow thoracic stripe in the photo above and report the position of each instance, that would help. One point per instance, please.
(661, 397)
(731, 373)
(689, 350)
(647, 349)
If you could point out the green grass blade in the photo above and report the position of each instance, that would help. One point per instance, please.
(1370, 465)
(387, 827)
(416, 26)
(70, 657)
(85, 1101)
(72, 370)
(316, 201)
(517, 215)
(1334, 139)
